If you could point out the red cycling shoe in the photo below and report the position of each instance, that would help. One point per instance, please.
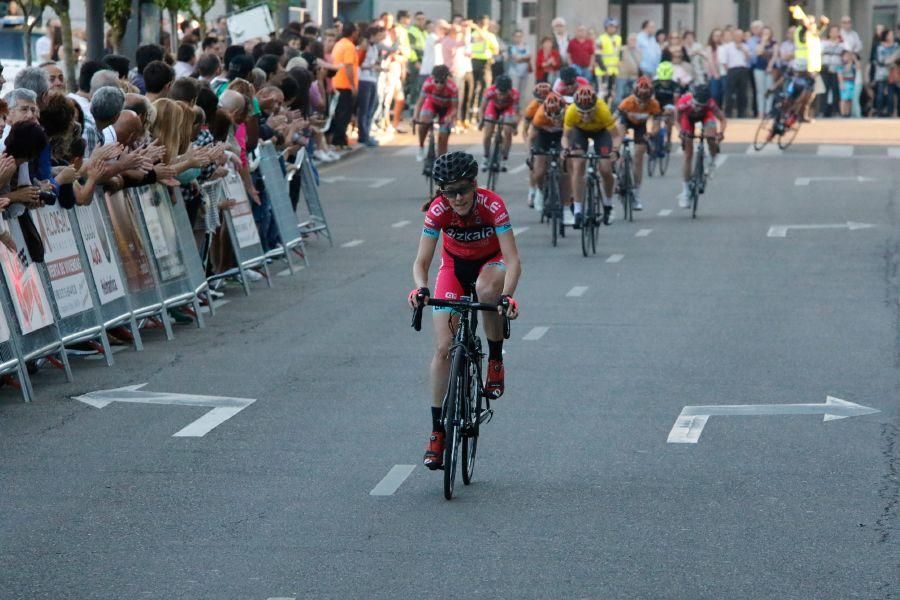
(434, 453)
(495, 376)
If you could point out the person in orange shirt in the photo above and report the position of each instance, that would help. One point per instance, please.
(636, 112)
(346, 84)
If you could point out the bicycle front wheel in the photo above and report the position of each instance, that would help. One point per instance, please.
(664, 157)
(453, 415)
(787, 138)
(597, 210)
(587, 219)
(473, 404)
(763, 133)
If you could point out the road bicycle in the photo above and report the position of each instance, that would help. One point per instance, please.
(625, 186)
(782, 122)
(658, 150)
(430, 155)
(553, 208)
(700, 173)
(465, 407)
(593, 211)
(496, 156)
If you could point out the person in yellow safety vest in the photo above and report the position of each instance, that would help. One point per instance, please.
(416, 34)
(484, 47)
(807, 62)
(609, 48)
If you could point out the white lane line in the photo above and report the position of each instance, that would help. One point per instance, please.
(352, 243)
(665, 212)
(771, 149)
(894, 152)
(216, 303)
(282, 598)
(834, 150)
(400, 224)
(615, 258)
(519, 230)
(406, 151)
(476, 150)
(382, 182)
(209, 421)
(536, 333)
(643, 232)
(518, 169)
(287, 272)
(577, 291)
(720, 159)
(393, 480)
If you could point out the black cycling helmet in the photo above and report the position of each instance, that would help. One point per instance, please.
(503, 83)
(700, 93)
(568, 75)
(440, 73)
(454, 166)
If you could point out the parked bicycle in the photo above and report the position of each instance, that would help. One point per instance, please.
(465, 406)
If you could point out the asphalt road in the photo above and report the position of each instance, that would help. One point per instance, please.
(578, 493)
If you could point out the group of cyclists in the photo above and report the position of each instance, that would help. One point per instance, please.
(479, 254)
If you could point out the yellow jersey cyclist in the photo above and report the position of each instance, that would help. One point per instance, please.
(546, 134)
(589, 118)
(478, 252)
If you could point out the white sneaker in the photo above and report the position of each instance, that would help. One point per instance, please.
(683, 200)
(636, 205)
(568, 217)
(334, 155)
(420, 155)
(538, 200)
(253, 275)
(321, 156)
(531, 192)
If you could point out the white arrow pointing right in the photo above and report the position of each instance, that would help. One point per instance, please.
(780, 231)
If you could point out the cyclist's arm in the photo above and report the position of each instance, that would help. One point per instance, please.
(564, 142)
(511, 258)
(616, 137)
(418, 107)
(424, 256)
(454, 108)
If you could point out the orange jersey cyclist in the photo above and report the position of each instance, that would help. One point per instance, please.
(636, 112)
(546, 134)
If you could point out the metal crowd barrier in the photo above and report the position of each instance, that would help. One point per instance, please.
(315, 221)
(125, 259)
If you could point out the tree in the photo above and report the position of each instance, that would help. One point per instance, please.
(203, 7)
(117, 13)
(61, 8)
(33, 10)
(172, 7)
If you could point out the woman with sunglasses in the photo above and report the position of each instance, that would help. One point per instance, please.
(478, 252)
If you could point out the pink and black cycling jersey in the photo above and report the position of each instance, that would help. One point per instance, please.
(474, 236)
(690, 114)
(440, 97)
(491, 95)
(568, 90)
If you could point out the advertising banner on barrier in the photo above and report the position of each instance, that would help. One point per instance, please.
(99, 250)
(26, 289)
(241, 215)
(70, 286)
(126, 231)
(157, 209)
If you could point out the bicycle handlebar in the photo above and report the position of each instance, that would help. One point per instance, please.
(462, 305)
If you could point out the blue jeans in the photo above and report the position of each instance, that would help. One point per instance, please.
(365, 108)
(884, 98)
(717, 89)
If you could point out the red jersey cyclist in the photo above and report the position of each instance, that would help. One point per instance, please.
(698, 107)
(568, 83)
(499, 104)
(479, 252)
(439, 98)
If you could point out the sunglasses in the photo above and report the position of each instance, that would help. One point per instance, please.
(457, 192)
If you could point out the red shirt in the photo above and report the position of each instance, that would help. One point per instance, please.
(568, 90)
(501, 103)
(581, 52)
(474, 236)
(689, 114)
(441, 96)
(554, 62)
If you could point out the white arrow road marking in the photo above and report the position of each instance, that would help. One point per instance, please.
(689, 424)
(780, 231)
(400, 224)
(808, 180)
(834, 150)
(643, 232)
(393, 480)
(518, 169)
(665, 212)
(352, 243)
(536, 333)
(576, 291)
(615, 258)
(720, 160)
(223, 407)
(517, 231)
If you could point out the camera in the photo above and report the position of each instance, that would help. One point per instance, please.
(47, 197)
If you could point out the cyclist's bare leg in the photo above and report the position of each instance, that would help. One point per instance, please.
(606, 174)
(577, 165)
(488, 136)
(640, 149)
(508, 130)
(443, 140)
(712, 139)
(424, 126)
(488, 287)
(688, 162)
(440, 363)
(540, 167)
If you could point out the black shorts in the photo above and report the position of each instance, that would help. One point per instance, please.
(545, 140)
(640, 130)
(578, 140)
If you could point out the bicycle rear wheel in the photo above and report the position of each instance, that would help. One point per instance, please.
(664, 156)
(787, 138)
(587, 219)
(452, 419)
(552, 204)
(597, 209)
(697, 181)
(763, 133)
(653, 154)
